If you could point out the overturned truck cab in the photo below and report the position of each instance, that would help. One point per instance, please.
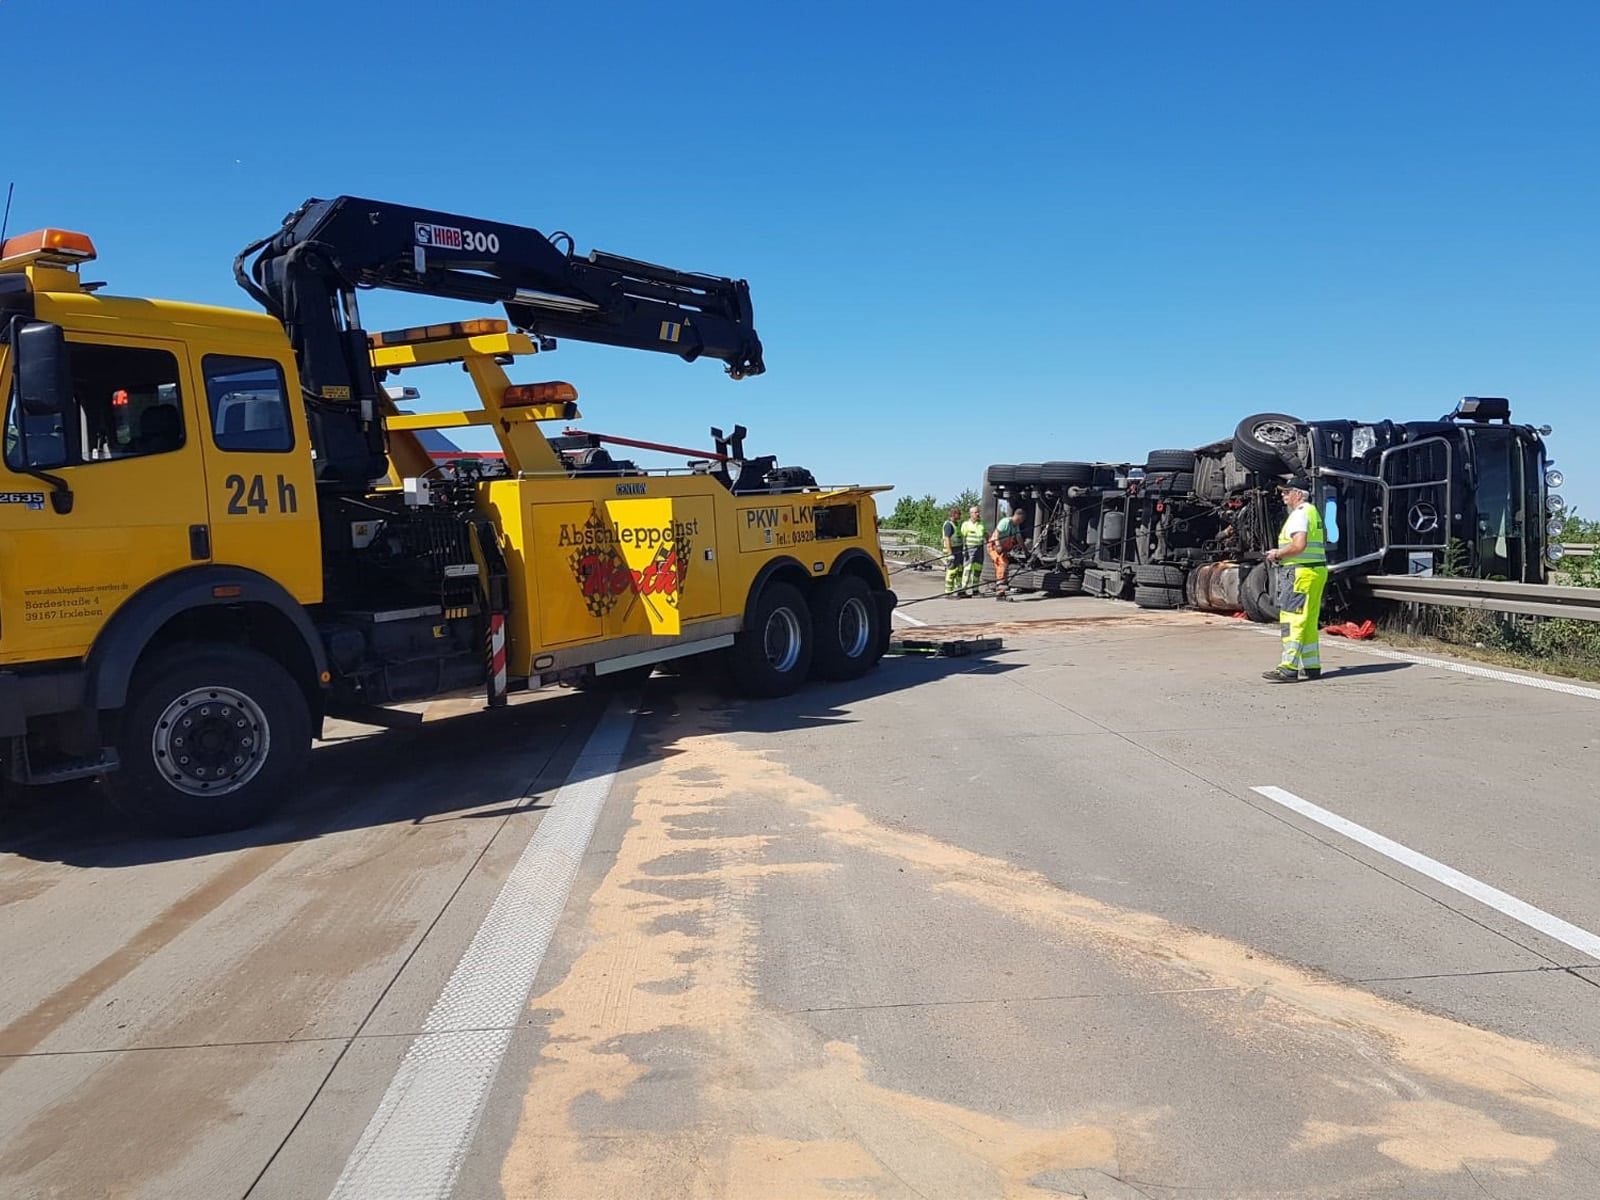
(1470, 494)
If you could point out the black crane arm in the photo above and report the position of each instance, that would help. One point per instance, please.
(308, 272)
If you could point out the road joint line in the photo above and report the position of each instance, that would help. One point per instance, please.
(1552, 968)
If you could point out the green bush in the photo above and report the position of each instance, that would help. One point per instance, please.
(1538, 643)
(926, 515)
(1585, 571)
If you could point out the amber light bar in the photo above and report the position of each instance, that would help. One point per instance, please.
(49, 245)
(554, 392)
(436, 333)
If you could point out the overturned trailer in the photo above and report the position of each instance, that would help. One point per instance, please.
(1470, 494)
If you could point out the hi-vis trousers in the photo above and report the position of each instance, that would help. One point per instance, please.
(972, 574)
(952, 573)
(1300, 611)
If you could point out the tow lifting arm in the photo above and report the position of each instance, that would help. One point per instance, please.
(308, 272)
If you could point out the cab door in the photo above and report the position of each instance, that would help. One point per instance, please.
(128, 449)
(258, 467)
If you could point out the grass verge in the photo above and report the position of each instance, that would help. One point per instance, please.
(1552, 647)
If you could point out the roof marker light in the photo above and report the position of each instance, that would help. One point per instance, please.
(49, 245)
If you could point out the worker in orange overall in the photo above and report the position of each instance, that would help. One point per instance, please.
(1007, 536)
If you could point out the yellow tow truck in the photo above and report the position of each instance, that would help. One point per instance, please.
(216, 528)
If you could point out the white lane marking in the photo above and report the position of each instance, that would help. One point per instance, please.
(909, 619)
(1518, 910)
(415, 1143)
(1445, 664)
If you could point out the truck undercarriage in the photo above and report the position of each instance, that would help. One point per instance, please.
(1469, 494)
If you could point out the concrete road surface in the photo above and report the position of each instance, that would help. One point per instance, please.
(1098, 915)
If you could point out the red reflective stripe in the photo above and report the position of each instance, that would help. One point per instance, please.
(497, 655)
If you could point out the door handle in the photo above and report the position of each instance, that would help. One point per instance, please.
(200, 542)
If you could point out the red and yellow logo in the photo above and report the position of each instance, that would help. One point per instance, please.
(635, 550)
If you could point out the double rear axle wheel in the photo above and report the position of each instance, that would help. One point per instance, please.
(840, 632)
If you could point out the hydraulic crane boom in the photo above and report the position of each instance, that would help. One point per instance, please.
(308, 272)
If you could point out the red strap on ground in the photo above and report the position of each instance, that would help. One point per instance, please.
(1350, 629)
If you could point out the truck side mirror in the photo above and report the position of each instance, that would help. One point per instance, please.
(44, 382)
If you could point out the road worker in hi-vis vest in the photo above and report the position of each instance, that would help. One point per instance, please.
(1302, 562)
(955, 551)
(972, 533)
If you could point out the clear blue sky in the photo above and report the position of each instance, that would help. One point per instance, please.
(974, 233)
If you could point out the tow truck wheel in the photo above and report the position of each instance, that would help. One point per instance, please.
(847, 628)
(209, 741)
(771, 656)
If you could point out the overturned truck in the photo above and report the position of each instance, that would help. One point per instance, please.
(1470, 494)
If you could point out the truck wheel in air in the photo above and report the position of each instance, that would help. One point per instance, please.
(1256, 594)
(1169, 460)
(1029, 474)
(1067, 474)
(1268, 443)
(847, 628)
(771, 656)
(210, 741)
(1001, 473)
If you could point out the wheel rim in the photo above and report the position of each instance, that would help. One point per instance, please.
(1275, 433)
(854, 627)
(781, 640)
(210, 741)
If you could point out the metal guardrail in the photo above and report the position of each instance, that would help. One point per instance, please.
(902, 548)
(1524, 599)
(1578, 549)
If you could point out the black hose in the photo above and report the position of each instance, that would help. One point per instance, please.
(255, 291)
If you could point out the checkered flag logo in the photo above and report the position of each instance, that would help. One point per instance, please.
(595, 567)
